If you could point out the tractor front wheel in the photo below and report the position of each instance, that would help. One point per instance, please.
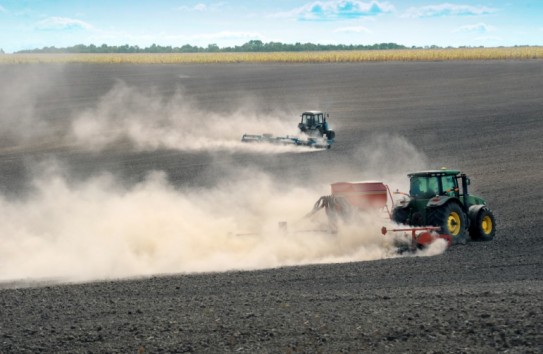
(452, 220)
(483, 227)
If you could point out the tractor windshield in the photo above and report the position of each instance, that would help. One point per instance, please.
(312, 119)
(424, 187)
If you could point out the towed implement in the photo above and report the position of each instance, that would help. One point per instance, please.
(314, 132)
(348, 199)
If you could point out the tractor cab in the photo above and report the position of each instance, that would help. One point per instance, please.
(313, 120)
(429, 184)
(314, 123)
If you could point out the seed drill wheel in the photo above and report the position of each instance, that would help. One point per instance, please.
(483, 228)
(452, 220)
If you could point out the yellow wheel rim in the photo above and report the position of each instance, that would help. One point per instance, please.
(454, 223)
(486, 224)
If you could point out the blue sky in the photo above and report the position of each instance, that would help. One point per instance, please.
(26, 24)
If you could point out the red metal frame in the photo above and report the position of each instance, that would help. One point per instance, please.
(424, 238)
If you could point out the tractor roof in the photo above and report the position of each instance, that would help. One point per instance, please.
(312, 112)
(432, 173)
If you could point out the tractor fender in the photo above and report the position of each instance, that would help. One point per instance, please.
(474, 211)
(440, 200)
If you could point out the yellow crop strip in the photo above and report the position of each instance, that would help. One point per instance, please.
(510, 53)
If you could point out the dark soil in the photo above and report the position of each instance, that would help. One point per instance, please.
(485, 118)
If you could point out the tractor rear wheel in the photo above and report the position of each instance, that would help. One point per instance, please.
(483, 227)
(452, 220)
(399, 215)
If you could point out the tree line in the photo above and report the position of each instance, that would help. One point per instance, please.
(250, 46)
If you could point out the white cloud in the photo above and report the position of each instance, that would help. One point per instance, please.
(488, 39)
(62, 24)
(353, 29)
(201, 7)
(222, 37)
(447, 9)
(337, 10)
(476, 28)
(226, 35)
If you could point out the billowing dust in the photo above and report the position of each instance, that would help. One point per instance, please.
(144, 119)
(100, 228)
(150, 121)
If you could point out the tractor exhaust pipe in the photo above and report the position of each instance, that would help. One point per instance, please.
(465, 182)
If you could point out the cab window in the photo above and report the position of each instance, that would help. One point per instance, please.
(450, 186)
(424, 187)
(308, 119)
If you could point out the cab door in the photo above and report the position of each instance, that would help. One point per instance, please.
(450, 186)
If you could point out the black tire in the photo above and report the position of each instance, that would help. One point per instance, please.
(399, 215)
(416, 219)
(483, 226)
(451, 219)
(330, 135)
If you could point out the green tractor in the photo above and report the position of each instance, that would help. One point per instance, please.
(441, 198)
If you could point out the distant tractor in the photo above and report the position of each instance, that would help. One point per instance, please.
(314, 129)
(441, 198)
(314, 123)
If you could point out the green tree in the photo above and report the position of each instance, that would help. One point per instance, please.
(254, 45)
(212, 48)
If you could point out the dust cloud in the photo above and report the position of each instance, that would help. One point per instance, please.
(21, 93)
(141, 119)
(149, 121)
(99, 228)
